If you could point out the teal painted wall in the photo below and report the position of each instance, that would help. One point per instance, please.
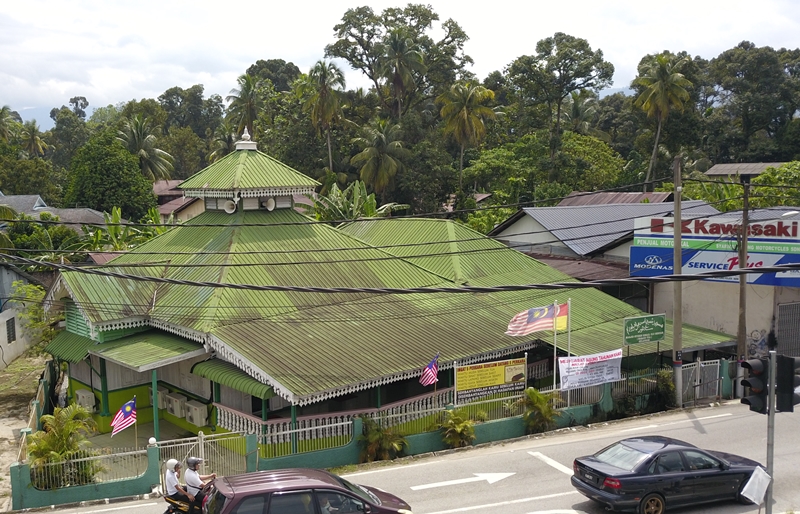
(25, 496)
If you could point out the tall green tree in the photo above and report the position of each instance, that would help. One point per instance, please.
(187, 151)
(104, 175)
(665, 91)
(6, 120)
(67, 135)
(223, 142)
(277, 71)
(382, 155)
(245, 103)
(464, 111)
(400, 60)
(324, 100)
(562, 64)
(139, 137)
(32, 141)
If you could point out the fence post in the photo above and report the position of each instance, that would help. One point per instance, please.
(201, 444)
(35, 406)
(251, 452)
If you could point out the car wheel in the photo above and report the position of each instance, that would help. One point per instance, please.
(652, 504)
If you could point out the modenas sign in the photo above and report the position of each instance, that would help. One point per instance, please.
(709, 244)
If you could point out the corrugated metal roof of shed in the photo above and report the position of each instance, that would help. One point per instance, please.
(69, 347)
(607, 197)
(742, 168)
(147, 350)
(588, 228)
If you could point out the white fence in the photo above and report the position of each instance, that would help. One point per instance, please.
(87, 468)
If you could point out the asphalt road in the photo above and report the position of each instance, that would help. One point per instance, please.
(531, 476)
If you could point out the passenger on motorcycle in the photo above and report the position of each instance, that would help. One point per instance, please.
(172, 481)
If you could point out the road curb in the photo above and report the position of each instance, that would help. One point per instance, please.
(90, 503)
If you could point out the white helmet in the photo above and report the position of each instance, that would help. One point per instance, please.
(172, 464)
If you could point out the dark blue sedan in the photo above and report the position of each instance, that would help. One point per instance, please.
(649, 474)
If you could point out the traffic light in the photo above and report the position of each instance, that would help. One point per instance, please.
(757, 382)
(786, 379)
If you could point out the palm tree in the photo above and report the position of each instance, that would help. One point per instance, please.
(540, 409)
(5, 123)
(32, 141)
(464, 112)
(224, 141)
(323, 87)
(401, 59)
(245, 102)
(665, 89)
(139, 138)
(381, 155)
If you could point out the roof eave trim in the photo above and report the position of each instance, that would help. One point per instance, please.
(250, 193)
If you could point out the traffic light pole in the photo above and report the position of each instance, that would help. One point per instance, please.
(773, 371)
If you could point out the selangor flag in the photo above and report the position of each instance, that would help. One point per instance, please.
(562, 315)
(429, 374)
(125, 417)
(538, 319)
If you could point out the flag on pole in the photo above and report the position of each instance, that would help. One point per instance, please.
(125, 417)
(429, 374)
(538, 319)
(562, 316)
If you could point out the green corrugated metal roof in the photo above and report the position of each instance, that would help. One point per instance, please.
(148, 350)
(69, 347)
(229, 375)
(247, 169)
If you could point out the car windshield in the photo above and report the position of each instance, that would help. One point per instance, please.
(360, 491)
(621, 456)
(215, 502)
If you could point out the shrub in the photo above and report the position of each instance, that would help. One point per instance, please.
(378, 442)
(457, 429)
(541, 409)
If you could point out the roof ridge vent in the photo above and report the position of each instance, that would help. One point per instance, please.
(244, 143)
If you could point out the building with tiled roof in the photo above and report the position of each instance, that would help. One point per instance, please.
(243, 308)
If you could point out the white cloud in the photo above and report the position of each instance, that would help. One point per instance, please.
(111, 51)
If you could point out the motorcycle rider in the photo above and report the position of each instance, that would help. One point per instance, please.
(172, 481)
(195, 481)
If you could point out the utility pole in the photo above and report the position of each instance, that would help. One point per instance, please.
(677, 289)
(741, 333)
(773, 371)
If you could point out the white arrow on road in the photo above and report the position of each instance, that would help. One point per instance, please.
(479, 477)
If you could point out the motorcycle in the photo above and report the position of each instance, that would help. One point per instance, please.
(183, 507)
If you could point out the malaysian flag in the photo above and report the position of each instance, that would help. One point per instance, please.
(125, 417)
(536, 319)
(429, 373)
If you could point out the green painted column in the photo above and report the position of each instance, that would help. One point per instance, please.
(251, 450)
(264, 413)
(378, 402)
(154, 399)
(104, 410)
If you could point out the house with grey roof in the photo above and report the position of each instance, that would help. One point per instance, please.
(251, 311)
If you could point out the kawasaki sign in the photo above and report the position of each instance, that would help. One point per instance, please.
(644, 329)
(710, 245)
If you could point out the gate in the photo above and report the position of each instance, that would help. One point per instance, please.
(223, 454)
(700, 380)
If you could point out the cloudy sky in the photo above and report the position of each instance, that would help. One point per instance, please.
(111, 51)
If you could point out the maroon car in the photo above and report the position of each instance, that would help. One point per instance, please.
(297, 491)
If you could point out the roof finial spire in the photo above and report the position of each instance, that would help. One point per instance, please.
(244, 143)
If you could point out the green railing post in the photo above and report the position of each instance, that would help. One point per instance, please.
(294, 429)
(251, 450)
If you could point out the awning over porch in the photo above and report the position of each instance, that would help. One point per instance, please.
(229, 375)
(149, 350)
(69, 347)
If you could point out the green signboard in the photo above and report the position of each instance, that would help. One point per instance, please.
(645, 329)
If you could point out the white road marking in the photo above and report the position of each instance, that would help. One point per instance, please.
(558, 511)
(649, 427)
(550, 462)
(122, 508)
(479, 477)
(501, 504)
